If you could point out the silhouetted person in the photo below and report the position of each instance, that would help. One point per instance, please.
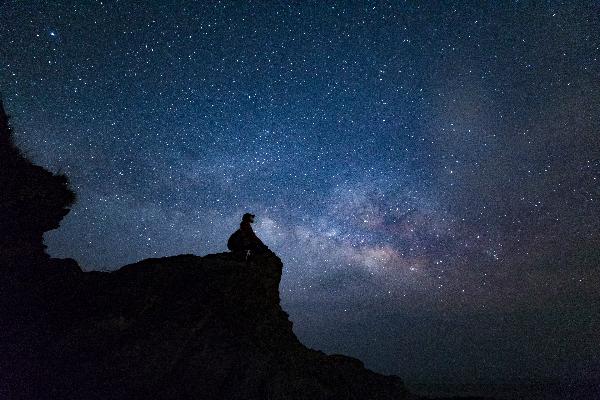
(244, 239)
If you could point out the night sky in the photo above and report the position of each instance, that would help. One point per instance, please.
(429, 174)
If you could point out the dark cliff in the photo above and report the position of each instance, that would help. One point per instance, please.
(172, 328)
(32, 200)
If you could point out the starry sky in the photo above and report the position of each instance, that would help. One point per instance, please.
(428, 173)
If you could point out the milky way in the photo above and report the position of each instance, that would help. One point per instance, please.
(428, 174)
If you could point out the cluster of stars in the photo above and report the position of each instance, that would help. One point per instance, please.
(400, 158)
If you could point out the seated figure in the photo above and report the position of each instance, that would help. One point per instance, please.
(244, 239)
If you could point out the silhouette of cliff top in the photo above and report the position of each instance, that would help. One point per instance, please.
(169, 328)
(32, 200)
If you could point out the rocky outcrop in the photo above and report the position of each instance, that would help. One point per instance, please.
(173, 328)
(32, 201)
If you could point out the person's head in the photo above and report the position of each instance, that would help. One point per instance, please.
(248, 218)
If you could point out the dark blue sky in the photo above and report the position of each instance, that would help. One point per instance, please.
(428, 174)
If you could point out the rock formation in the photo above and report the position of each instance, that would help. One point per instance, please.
(32, 200)
(174, 328)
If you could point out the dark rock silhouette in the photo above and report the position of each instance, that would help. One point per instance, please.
(172, 328)
(32, 200)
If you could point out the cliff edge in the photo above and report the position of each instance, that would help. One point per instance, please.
(170, 328)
